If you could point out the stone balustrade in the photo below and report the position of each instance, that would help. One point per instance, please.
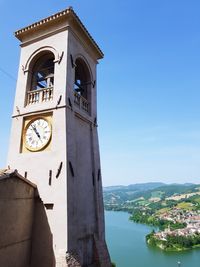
(39, 96)
(81, 102)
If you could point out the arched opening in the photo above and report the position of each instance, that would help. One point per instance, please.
(41, 79)
(82, 85)
(43, 73)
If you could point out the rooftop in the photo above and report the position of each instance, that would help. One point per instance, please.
(8, 173)
(67, 14)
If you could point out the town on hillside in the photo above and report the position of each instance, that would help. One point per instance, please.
(174, 211)
(187, 234)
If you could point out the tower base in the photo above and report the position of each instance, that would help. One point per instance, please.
(101, 257)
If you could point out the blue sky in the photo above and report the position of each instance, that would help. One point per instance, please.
(148, 83)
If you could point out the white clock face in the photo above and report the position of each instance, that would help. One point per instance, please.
(37, 134)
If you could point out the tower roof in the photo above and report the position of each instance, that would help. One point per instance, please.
(69, 17)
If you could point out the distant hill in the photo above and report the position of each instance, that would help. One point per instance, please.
(117, 196)
(134, 187)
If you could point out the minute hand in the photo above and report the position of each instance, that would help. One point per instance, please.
(35, 130)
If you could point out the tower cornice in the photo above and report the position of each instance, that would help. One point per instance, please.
(63, 18)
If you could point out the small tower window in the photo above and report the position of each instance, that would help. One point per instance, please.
(82, 85)
(41, 84)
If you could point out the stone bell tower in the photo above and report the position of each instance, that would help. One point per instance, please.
(54, 141)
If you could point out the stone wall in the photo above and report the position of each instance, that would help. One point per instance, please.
(16, 220)
(25, 236)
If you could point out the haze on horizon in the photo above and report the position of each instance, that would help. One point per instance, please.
(148, 83)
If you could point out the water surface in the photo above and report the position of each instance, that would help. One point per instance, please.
(127, 246)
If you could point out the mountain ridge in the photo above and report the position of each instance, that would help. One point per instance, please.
(115, 196)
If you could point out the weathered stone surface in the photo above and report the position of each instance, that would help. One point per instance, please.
(102, 255)
(17, 198)
(72, 260)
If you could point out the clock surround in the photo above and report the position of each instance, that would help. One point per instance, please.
(37, 134)
(35, 138)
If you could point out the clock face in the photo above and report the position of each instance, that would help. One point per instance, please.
(37, 134)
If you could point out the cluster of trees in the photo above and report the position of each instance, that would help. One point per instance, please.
(140, 216)
(183, 241)
(194, 200)
(110, 207)
(174, 242)
(147, 217)
(150, 238)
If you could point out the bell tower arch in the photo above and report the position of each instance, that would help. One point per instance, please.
(54, 139)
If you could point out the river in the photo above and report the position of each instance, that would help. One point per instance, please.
(127, 246)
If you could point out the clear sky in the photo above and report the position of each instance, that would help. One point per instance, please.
(148, 83)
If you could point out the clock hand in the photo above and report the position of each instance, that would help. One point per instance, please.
(35, 130)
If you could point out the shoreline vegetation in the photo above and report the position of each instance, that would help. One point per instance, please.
(174, 211)
(148, 218)
(173, 235)
(174, 243)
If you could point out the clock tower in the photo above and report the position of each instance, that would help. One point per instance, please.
(54, 141)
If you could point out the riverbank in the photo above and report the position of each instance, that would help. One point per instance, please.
(173, 242)
(127, 245)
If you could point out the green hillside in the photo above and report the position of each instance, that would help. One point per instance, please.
(127, 197)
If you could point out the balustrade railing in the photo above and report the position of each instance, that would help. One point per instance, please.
(81, 102)
(40, 95)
